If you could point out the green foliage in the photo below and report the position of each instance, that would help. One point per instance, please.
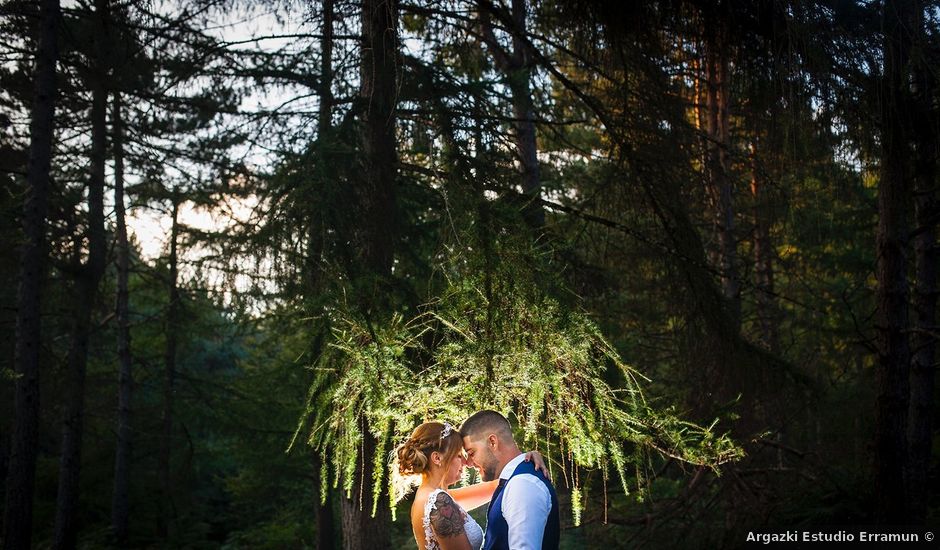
(492, 340)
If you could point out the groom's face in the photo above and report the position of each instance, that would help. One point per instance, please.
(481, 457)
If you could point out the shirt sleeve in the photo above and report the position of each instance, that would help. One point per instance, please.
(526, 504)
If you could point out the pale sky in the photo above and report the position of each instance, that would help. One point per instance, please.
(150, 227)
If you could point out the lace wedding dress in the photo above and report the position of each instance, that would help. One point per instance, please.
(470, 526)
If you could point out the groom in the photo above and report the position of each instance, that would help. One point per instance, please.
(523, 514)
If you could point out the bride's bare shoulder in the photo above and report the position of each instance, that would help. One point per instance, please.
(417, 507)
(417, 518)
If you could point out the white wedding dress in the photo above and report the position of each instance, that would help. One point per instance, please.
(470, 525)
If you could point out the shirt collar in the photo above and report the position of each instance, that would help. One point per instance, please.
(508, 469)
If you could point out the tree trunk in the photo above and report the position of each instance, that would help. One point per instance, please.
(379, 93)
(516, 67)
(326, 532)
(926, 152)
(524, 120)
(88, 278)
(21, 475)
(718, 165)
(360, 530)
(894, 194)
(763, 256)
(122, 455)
(375, 235)
(325, 113)
(315, 228)
(169, 378)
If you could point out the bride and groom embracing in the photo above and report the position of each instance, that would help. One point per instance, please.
(523, 507)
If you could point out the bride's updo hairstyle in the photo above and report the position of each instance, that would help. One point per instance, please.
(414, 455)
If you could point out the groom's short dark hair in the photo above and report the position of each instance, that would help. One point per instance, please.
(488, 422)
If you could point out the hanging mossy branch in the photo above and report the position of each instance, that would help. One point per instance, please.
(519, 353)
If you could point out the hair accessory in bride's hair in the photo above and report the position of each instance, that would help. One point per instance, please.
(447, 430)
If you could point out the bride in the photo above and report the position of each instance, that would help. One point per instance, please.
(439, 517)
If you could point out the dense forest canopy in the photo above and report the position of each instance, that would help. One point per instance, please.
(687, 246)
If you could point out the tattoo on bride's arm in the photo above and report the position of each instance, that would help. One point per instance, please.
(446, 518)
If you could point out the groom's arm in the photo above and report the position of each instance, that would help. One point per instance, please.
(526, 505)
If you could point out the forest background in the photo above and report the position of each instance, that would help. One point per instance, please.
(688, 246)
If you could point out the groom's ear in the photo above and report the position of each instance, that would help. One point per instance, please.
(493, 441)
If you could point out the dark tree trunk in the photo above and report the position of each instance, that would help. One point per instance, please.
(524, 120)
(326, 532)
(718, 164)
(171, 329)
(763, 256)
(894, 195)
(926, 151)
(375, 234)
(315, 229)
(379, 94)
(88, 278)
(324, 118)
(360, 530)
(516, 67)
(122, 455)
(21, 475)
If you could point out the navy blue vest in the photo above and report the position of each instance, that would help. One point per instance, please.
(497, 530)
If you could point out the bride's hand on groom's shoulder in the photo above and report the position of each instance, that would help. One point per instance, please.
(536, 458)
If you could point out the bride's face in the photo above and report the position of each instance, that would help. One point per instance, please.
(454, 469)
